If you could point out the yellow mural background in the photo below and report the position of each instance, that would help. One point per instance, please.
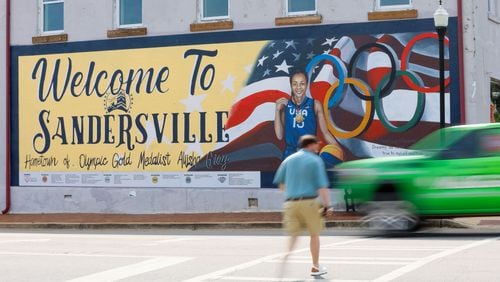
(233, 60)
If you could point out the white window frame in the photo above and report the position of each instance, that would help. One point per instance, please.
(41, 17)
(203, 18)
(493, 11)
(301, 13)
(394, 7)
(117, 17)
(493, 8)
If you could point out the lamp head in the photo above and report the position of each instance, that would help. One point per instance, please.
(441, 16)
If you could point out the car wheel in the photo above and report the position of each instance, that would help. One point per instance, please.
(390, 216)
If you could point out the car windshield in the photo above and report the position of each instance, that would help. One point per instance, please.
(439, 140)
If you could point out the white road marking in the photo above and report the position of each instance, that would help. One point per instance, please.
(23, 241)
(419, 263)
(236, 278)
(359, 258)
(73, 255)
(352, 262)
(381, 248)
(131, 270)
(171, 240)
(220, 273)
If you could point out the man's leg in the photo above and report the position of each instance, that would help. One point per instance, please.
(314, 246)
(315, 224)
(292, 227)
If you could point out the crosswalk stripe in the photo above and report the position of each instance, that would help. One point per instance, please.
(131, 270)
(360, 258)
(384, 248)
(323, 261)
(73, 255)
(23, 241)
(270, 279)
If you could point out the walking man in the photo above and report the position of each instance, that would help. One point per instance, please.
(303, 178)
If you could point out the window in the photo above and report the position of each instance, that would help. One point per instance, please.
(393, 4)
(300, 7)
(492, 8)
(462, 149)
(214, 9)
(129, 13)
(490, 143)
(52, 16)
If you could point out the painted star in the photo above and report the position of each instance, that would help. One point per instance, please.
(290, 43)
(272, 44)
(310, 55)
(228, 83)
(266, 73)
(248, 68)
(327, 51)
(277, 54)
(297, 56)
(315, 68)
(150, 132)
(261, 60)
(310, 41)
(329, 41)
(193, 102)
(283, 67)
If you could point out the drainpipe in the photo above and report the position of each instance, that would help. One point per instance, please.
(7, 106)
(461, 61)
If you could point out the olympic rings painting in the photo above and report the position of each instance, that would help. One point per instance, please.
(337, 98)
(394, 74)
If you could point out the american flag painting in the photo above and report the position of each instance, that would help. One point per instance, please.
(398, 105)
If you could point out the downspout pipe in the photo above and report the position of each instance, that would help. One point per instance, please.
(461, 61)
(7, 106)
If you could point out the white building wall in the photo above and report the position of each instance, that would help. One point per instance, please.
(481, 58)
(91, 19)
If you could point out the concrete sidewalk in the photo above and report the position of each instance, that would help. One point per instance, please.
(208, 220)
(486, 222)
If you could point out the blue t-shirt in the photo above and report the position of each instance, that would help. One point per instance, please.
(303, 173)
(293, 129)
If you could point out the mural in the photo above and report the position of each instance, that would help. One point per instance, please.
(222, 114)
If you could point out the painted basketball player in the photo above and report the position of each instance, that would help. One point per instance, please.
(301, 115)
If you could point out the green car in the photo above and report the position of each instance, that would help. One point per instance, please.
(452, 172)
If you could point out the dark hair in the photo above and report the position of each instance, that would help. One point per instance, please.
(299, 72)
(306, 140)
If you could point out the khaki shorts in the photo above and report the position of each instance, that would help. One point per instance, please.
(300, 215)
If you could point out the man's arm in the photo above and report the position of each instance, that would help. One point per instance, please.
(323, 183)
(279, 177)
(324, 196)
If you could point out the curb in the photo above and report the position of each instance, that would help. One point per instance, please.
(154, 225)
(444, 223)
(434, 223)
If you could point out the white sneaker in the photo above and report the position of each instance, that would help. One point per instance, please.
(318, 271)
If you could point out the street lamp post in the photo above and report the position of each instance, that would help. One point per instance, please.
(441, 23)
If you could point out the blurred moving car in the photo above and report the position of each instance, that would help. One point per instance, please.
(454, 172)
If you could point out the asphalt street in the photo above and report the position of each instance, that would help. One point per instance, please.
(245, 255)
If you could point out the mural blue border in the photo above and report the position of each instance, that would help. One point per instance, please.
(400, 26)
